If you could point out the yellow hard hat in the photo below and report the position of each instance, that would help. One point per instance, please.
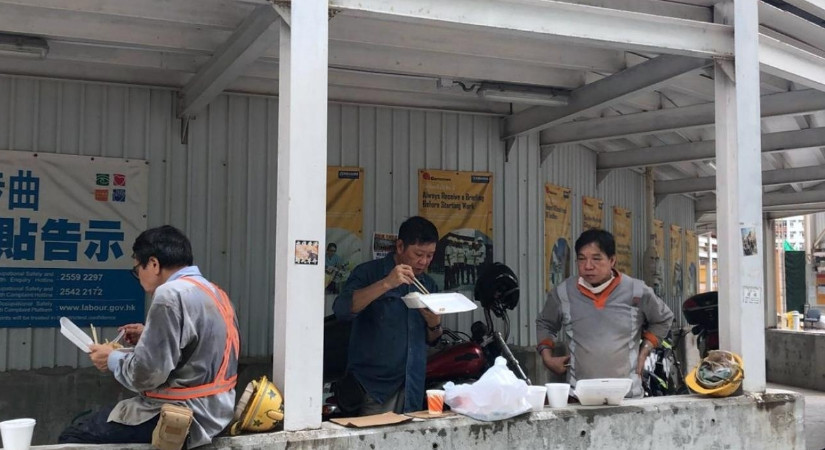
(727, 387)
(260, 408)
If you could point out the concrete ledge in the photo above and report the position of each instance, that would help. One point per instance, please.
(768, 421)
(55, 396)
(796, 358)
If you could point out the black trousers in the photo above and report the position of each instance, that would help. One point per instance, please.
(94, 428)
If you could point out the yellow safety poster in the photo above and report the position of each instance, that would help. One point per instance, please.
(557, 207)
(691, 262)
(676, 272)
(345, 223)
(623, 232)
(460, 204)
(591, 213)
(659, 240)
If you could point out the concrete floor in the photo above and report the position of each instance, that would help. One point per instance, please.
(814, 415)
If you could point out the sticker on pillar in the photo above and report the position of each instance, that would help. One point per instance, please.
(752, 295)
(749, 244)
(306, 252)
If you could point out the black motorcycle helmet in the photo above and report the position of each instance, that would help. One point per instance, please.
(497, 288)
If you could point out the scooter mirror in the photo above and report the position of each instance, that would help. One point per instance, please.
(478, 330)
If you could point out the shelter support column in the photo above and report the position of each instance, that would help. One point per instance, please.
(301, 221)
(769, 259)
(739, 194)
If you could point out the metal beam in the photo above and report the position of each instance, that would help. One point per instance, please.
(657, 7)
(283, 11)
(431, 63)
(815, 7)
(642, 77)
(769, 178)
(255, 35)
(80, 26)
(698, 151)
(790, 62)
(503, 47)
(205, 13)
(600, 27)
(811, 209)
(707, 221)
(370, 63)
(781, 199)
(795, 208)
(702, 115)
(789, 26)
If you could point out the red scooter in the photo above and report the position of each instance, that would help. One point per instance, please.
(460, 358)
(464, 358)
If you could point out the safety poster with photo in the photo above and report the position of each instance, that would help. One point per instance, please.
(460, 204)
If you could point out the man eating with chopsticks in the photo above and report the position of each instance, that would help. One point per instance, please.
(388, 342)
(185, 361)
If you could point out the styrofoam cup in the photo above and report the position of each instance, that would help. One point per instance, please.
(17, 433)
(536, 396)
(557, 394)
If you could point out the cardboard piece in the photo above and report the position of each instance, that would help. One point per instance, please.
(426, 414)
(375, 420)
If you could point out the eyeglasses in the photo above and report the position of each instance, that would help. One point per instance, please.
(135, 271)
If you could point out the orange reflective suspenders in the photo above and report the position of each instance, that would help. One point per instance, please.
(221, 382)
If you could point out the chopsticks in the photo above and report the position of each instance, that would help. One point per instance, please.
(119, 337)
(420, 286)
(94, 333)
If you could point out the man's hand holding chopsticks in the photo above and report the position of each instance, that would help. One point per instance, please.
(132, 332)
(401, 274)
(100, 356)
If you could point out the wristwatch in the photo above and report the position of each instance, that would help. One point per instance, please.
(435, 328)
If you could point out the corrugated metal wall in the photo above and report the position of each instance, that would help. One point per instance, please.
(217, 188)
(675, 210)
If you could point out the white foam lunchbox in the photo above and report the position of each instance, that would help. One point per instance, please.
(440, 303)
(602, 391)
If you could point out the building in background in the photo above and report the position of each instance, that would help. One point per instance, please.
(790, 230)
(707, 258)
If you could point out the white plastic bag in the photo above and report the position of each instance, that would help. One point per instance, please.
(497, 395)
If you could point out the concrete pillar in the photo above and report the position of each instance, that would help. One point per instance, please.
(648, 266)
(810, 267)
(770, 273)
(739, 194)
(709, 271)
(302, 159)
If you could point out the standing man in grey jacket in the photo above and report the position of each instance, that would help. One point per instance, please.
(608, 320)
(186, 355)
